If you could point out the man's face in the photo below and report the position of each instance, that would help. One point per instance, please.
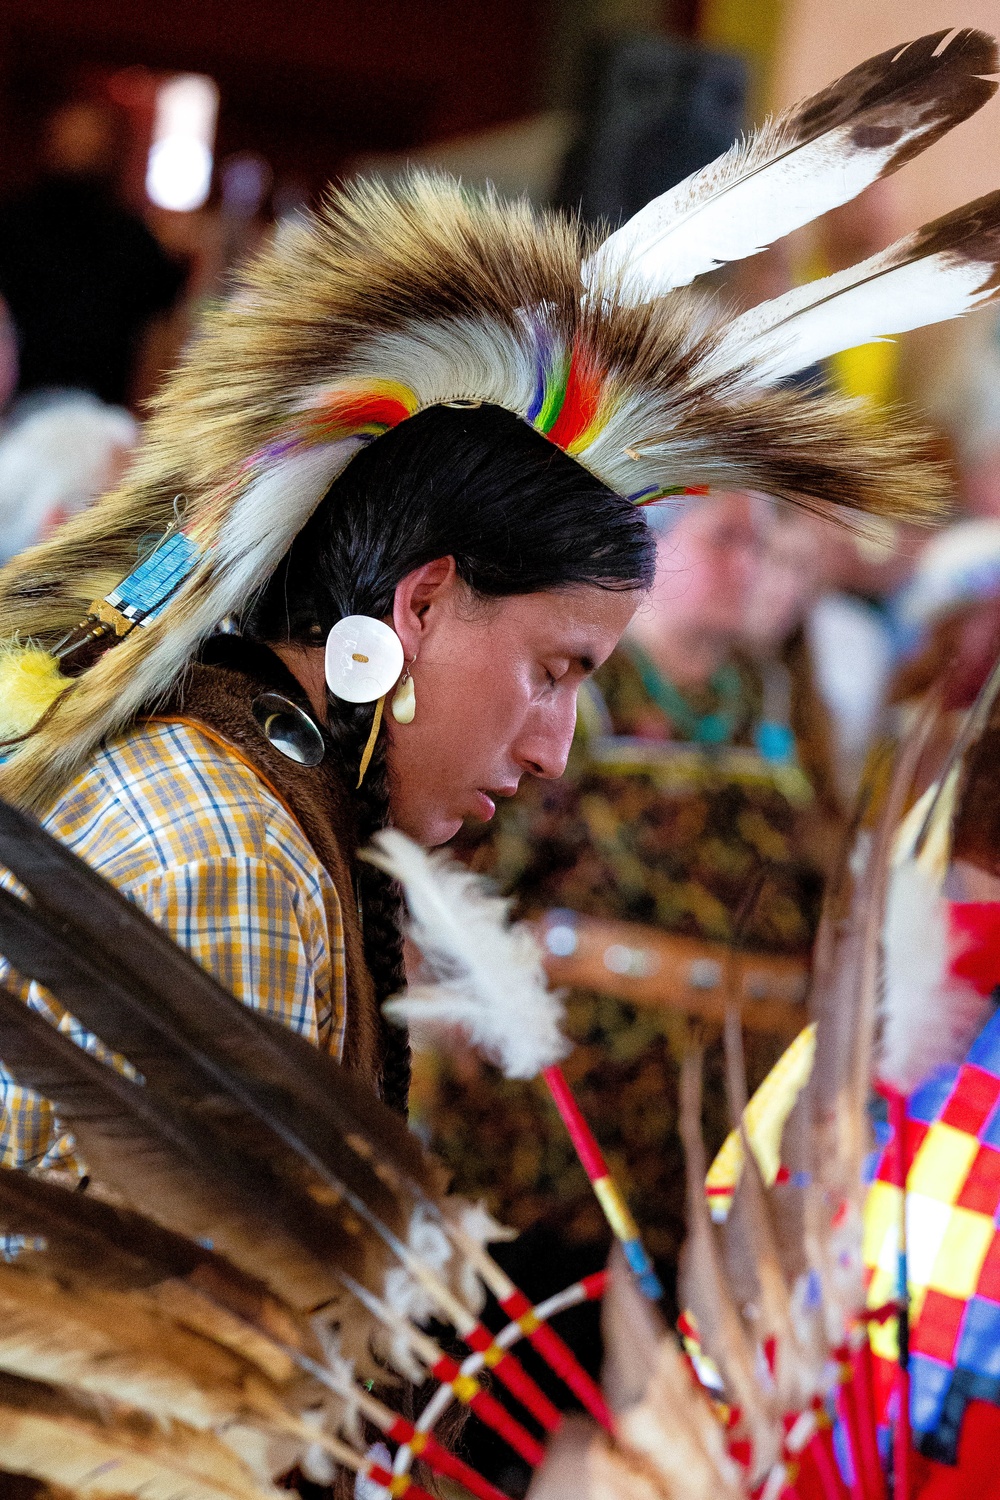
(496, 684)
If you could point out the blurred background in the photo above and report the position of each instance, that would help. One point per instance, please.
(148, 149)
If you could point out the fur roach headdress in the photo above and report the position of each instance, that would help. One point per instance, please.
(391, 300)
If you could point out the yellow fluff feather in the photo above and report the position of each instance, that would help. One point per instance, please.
(30, 682)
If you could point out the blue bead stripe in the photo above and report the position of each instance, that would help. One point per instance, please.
(154, 580)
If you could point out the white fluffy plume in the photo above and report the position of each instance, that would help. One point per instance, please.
(818, 155)
(929, 1017)
(487, 978)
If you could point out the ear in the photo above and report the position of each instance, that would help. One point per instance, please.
(419, 596)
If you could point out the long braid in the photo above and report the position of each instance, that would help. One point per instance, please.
(379, 896)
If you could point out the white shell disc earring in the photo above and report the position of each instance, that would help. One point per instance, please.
(364, 658)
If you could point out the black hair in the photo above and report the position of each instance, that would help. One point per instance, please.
(517, 515)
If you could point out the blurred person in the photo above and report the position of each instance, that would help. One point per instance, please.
(948, 619)
(823, 656)
(673, 677)
(56, 458)
(84, 278)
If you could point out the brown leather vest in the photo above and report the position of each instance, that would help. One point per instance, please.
(217, 695)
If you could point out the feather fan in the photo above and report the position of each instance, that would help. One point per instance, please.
(236, 1132)
(108, 1346)
(815, 157)
(143, 1348)
(143, 1148)
(94, 1450)
(266, 1092)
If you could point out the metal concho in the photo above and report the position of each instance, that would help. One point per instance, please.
(289, 729)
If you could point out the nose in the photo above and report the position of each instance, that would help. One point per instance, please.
(542, 748)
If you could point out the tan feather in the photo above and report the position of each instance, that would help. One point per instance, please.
(705, 1290)
(108, 1344)
(661, 1415)
(92, 1244)
(191, 1303)
(752, 1252)
(99, 1451)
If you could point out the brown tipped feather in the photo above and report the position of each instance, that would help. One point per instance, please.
(94, 1244)
(815, 157)
(109, 1344)
(942, 84)
(193, 1182)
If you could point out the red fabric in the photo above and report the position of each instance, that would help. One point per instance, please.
(889, 1170)
(937, 1328)
(971, 1104)
(975, 927)
(977, 1473)
(981, 1188)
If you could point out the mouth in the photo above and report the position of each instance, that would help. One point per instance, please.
(483, 807)
(485, 802)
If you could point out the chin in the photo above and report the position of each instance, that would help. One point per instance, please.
(439, 830)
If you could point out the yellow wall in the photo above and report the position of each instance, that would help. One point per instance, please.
(752, 27)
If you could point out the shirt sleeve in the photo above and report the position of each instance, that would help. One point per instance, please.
(243, 921)
(252, 928)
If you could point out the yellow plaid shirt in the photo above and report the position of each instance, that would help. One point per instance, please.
(187, 831)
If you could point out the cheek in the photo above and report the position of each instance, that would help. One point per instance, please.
(471, 701)
(478, 701)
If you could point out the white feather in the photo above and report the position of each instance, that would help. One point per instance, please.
(873, 300)
(733, 208)
(929, 1017)
(475, 1221)
(270, 513)
(793, 169)
(488, 978)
